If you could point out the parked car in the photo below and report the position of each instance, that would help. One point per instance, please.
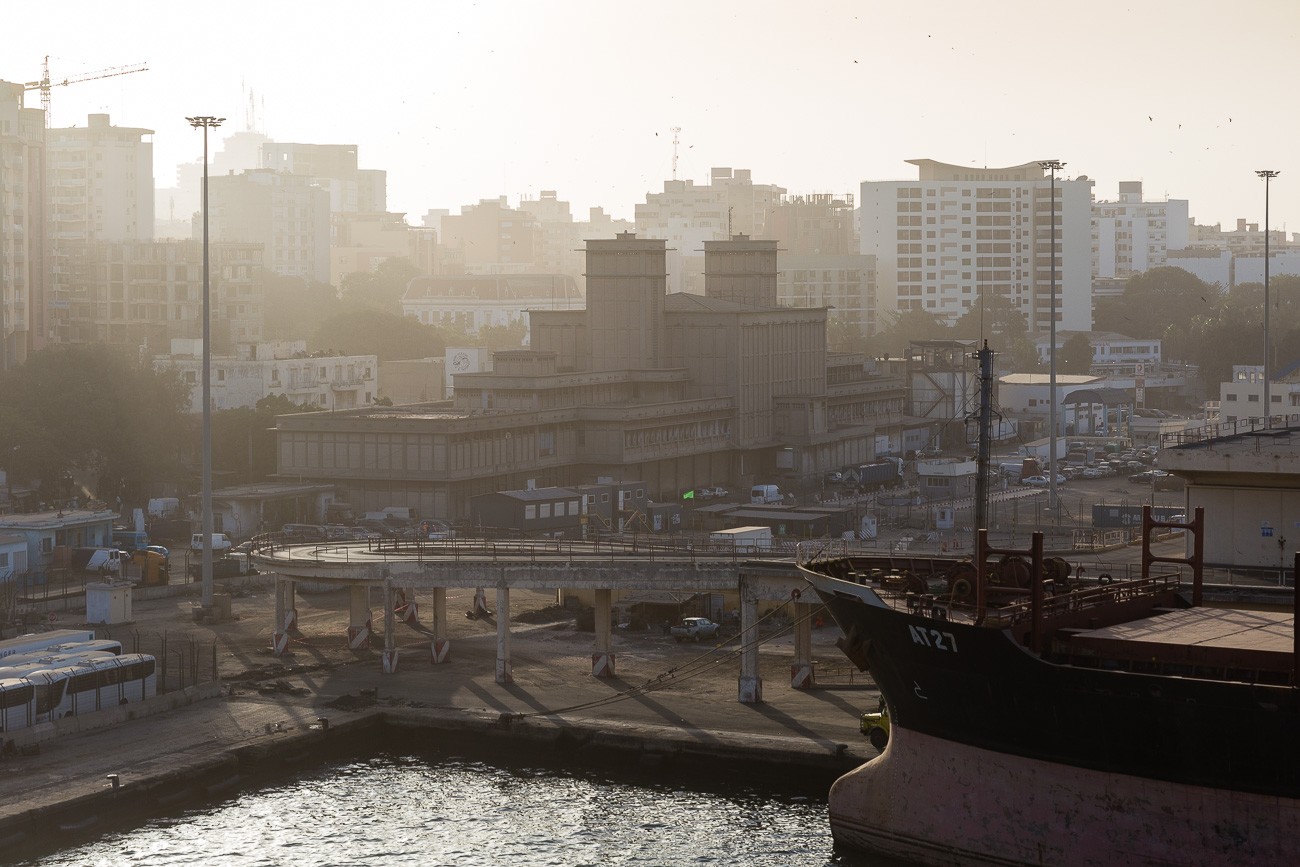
(1095, 473)
(1035, 481)
(1147, 477)
(694, 628)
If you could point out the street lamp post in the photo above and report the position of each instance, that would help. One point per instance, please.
(1267, 175)
(206, 122)
(1052, 504)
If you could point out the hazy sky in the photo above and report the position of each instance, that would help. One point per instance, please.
(462, 101)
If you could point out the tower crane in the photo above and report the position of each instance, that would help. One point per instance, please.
(45, 83)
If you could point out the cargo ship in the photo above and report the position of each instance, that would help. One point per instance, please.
(1038, 718)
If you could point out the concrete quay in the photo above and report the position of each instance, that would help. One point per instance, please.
(682, 716)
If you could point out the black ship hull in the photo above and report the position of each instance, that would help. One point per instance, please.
(1008, 739)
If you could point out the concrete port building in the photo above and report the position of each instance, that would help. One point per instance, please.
(677, 390)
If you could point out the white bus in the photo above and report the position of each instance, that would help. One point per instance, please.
(71, 686)
(83, 648)
(40, 640)
(106, 682)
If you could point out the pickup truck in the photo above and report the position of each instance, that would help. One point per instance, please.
(694, 628)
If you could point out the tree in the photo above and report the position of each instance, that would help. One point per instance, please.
(1075, 355)
(381, 289)
(904, 326)
(510, 336)
(96, 414)
(368, 331)
(243, 439)
(294, 308)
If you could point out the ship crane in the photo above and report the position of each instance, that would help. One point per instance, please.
(45, 84)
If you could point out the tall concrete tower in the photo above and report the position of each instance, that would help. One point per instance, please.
(627, 280)
(742, 270)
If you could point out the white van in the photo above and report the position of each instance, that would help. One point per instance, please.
(220, 542)
(760, 494)
(106, 560)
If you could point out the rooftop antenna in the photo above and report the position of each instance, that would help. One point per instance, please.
(676, 142)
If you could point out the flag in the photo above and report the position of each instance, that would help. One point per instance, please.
(689, 495)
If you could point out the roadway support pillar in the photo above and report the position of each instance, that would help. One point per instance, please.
(751, 685)
(286, 616)
(403, 605)
(602, 661)
(388, 660)
(503, 634)
(801, 670)
(359, 625)
(441, 650)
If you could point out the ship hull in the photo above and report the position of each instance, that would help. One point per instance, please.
(932, 801)
(979, 687)
(998, 756)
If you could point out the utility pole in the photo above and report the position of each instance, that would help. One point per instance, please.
(1052, 504)
(206, 122)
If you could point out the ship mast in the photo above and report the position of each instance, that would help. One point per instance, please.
(985, 421)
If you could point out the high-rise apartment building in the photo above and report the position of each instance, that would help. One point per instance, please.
(147, 293)
(1130, 236)
(22, 227)
(956, 232)
(288, 214)
(562, 237)
(332, 167)
(686, 215)
(493, 238)
(100, 183)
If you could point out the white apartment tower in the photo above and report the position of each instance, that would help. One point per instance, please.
(1130, 236)
(956, 232)
(22, 227)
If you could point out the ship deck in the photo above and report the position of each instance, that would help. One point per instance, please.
(1212, 638)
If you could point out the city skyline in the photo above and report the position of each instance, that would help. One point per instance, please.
(480, 102)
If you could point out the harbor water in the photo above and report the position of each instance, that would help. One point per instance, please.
(453, 810)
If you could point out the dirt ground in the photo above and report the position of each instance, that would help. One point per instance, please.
(545, 641)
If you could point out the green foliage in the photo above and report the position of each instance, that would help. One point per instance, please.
(502, 336)
(94, 413)
(1075, 355)
(903, 326)
(243, 440)
(294, 308)
(368, 331)
(381, 289)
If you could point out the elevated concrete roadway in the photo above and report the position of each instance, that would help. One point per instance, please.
(403, 569)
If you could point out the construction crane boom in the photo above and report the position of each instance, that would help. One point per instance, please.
(45, 83)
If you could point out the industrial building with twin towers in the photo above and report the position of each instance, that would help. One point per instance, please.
(673, 390)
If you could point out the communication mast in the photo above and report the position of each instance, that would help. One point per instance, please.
(45, 83)
(676, 142)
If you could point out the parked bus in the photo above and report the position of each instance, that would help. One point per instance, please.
(106, 682)
(40, 640)
(17, 704)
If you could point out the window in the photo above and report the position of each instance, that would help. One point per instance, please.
(1230, 396)
(1252, 398)
(530, 513)
(545, 511)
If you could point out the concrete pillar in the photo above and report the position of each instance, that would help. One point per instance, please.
(388, 660)
(602, 661)
(503, 634)
(751, 685)
(404, 605)
(441, 649)
(283, 616)
(288, 587)
(801, 670)
(359, 616)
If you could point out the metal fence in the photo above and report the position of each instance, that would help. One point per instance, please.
(183, 659)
